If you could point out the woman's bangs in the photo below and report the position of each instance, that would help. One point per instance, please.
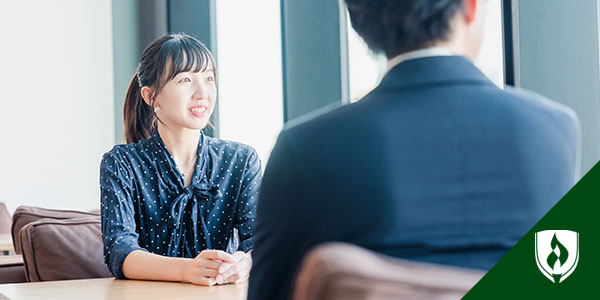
(186, 57)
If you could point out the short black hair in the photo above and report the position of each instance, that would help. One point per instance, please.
(398, 26)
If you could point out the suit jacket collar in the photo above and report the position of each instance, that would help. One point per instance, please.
(433, 71)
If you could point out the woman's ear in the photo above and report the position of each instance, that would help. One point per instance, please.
(146, 93)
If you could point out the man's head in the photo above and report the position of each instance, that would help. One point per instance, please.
(398, 26)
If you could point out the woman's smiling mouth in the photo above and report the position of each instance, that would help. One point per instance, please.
(199, 111)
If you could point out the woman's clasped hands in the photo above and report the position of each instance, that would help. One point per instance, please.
(212, 267)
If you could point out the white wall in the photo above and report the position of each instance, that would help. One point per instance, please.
(56, 95)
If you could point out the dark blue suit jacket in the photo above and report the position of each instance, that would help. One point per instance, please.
(436, 164)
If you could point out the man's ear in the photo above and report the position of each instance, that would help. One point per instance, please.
(146, 93)
(470, 10)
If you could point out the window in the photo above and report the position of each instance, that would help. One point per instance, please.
(366, 68)
(491, 56)
(249, 62)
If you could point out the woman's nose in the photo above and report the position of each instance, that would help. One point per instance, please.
(201, 91)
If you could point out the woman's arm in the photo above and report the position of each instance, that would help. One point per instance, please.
(118, 223)
(244, 222)
(201, 270)
(247, 201)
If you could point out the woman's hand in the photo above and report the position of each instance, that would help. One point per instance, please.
(237, 271)
(204, 269)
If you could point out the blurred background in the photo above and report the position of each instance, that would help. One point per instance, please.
(65, 66)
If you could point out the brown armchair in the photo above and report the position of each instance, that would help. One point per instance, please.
(63, 249)
(26, 214)
(343, 271)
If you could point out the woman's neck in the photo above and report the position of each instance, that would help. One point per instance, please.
(182, 144)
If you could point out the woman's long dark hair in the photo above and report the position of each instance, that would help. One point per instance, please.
(161, 61)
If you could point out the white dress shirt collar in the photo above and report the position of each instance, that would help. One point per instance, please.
(421, 53)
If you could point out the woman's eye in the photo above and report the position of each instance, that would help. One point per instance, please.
(185, 80)
(210, 79)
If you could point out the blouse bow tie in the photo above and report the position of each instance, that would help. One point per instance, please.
(194, 193)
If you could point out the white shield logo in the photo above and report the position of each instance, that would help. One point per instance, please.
(557, 253)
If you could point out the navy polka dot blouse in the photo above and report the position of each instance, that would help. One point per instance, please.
(145, 205)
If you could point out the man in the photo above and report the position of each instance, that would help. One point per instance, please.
(436, 164)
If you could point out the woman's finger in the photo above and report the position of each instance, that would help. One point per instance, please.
(234, 274)
(231, 279)
(218, 254)
(205, 281)
(224, 267)
(242, 279)
(237, 277)
(234, 269)
(242, 261)
(210, 264)
(209, 272)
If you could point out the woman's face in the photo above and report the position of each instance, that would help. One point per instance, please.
(188, 100)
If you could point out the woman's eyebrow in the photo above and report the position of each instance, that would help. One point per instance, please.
(205, 71)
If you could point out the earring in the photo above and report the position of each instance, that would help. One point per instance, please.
(156, 109)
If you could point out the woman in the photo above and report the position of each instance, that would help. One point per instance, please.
(172, 196)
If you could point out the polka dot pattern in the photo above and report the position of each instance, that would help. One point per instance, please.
(145, 205)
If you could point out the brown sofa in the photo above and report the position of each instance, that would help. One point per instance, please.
(58, 244)
(335, 271)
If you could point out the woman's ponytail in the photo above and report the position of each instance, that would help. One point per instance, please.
(138, 116)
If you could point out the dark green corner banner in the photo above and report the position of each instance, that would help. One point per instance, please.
(559, 258)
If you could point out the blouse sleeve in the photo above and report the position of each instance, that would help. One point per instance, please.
(246, 209)
(118, 223)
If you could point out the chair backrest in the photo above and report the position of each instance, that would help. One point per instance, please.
(5, 220)
(343, 271)
(26, 214)
(63, 249)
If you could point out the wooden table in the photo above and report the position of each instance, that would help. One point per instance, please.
(110, 288)
(6, 243)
